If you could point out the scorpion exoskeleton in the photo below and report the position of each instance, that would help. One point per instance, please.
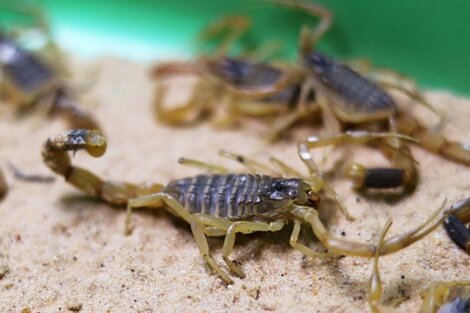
(440, 297)
(456, 228)
(222, 204)
(239, 85)
(28, 81)
(347, 99)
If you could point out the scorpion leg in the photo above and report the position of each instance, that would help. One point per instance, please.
(253, 107)
(154, 200)
(328, 115)
(197, 222)
(227, 116)
(310, 37)
(369, 177)
(301, 111)
(317, 181)
(286, 122)
(214, 227)
(432, 140)
(203, 165)
(212, 231)
(345, 247)
(375, 285)
(284, 169)
(302, 248)
(264, 51)
(245, 228)
(197, 227)
(232, 26)
(415, 95)
(251, 165)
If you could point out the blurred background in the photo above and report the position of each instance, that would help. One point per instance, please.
(427, 40)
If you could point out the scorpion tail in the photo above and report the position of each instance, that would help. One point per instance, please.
(55, 156)
(433, 141)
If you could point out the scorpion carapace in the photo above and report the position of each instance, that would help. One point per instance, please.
(440, 297)
(28, 81)
(350, 100)
(221, 204)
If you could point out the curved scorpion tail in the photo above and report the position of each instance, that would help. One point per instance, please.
(433, 141)
(55, 156)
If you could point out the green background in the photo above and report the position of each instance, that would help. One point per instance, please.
(428, 40)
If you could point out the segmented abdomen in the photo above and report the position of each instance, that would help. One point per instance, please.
(360, 94)
(23, 69)
(230, 196)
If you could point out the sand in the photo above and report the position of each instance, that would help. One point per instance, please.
(67, 252)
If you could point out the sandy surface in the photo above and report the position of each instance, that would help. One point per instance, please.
(67, 251)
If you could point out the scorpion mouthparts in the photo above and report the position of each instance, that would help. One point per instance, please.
(314, 198)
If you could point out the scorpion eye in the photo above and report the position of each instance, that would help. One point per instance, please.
(278, 187)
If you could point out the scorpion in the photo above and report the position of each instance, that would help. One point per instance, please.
(223, 203)
(28, 81)
(247, 88)
(440, 297)
(456, 229)
(349, 99)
